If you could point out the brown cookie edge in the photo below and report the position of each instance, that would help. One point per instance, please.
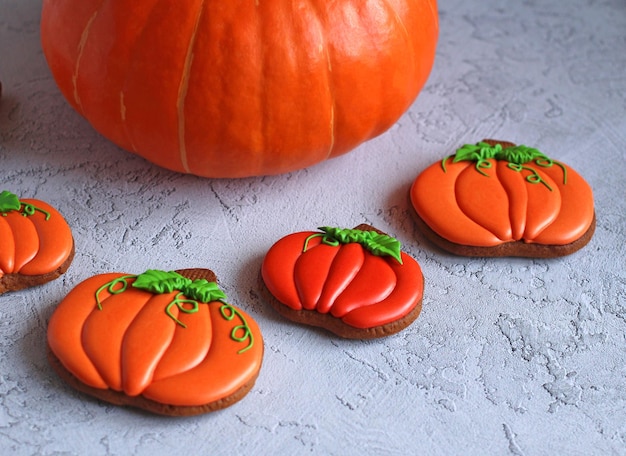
(15, 282)
(508, 249)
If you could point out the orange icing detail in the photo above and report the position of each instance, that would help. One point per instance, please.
(279, 264)
(132, 345)
(517, 191)
(220, 373)
(354, 281)
(577, 209)
(55, 240)
(104, 330)
(33, 245)
(409, 289)
(488, 205)
(434, 197)
(374, 281)
(311, 272)
(7, 247)
(543, 205)
(465, 207)
(342, 271)
(25, 238)
(65, 330)
(141, 350)
(189, 345)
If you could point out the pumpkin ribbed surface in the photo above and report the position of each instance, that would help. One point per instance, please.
(240, 87)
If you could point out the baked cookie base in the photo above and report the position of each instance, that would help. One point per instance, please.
(508, 249)
(141, 402)
(336, 325)
(14, 282)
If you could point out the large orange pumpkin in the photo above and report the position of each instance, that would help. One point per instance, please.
(240, 87)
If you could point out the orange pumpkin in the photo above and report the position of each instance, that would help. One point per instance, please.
(163, 341)
(498, 199)
(36, 243)
(239, 88)
(356, 283)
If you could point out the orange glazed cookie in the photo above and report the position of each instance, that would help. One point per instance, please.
(356, 283)
(166, 342)
(498, 199)
(36, 243)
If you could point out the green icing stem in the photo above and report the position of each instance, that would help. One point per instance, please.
(160, 282)
(516, 156)
(374, 242)
(30, 209)
(10, 202)
(180, 302)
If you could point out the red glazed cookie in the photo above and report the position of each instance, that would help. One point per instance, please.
(498, 199)
(166, 342)
(355, 283)
(36, 243)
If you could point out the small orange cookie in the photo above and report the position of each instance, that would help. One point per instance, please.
(498, 199)
(356, 283)
(166, 342)
(36, 243)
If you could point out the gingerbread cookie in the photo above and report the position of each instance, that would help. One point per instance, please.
(166, 342)
(36, 243)
(355, 283)
(498, 199)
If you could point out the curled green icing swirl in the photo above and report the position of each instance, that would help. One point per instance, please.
(229, 313)
(114, 287)
(376, 243)
(192, 294)
(10, 202)
(516, 156)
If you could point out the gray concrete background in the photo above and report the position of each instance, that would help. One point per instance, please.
(510, 356)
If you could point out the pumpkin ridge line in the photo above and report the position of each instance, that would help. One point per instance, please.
(132, 54)
(555, 188)
(522, 228)
(81, 49)
(329, 73)
(14, 247)
(486, 176)
(404, 29)
(332, 99)
(35, 227)
(183, 89)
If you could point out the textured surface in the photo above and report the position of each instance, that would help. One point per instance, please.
(509, 356)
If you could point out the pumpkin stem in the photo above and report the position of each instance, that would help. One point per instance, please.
(516, 156)
(192, 292)
(376, 243)
(10, 202)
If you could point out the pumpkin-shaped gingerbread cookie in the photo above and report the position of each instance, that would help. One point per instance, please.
(166, 342)
(356, 283)
(498, 199)
(36, 243)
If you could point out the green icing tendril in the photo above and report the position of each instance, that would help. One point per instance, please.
(516, 156)
(112, 288)
(10, 202)
(229, 313)
(192, 294)
(374, 242)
